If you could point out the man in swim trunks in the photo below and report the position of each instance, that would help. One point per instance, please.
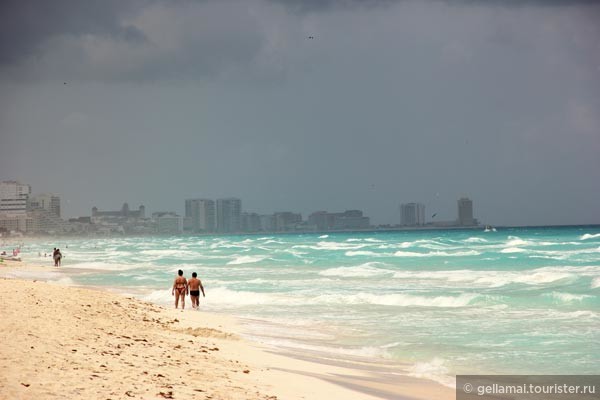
(195, 286)
(180, 289)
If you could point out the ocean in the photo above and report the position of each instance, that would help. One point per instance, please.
(437, 302)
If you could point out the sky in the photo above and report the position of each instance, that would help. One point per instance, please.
(306, 105)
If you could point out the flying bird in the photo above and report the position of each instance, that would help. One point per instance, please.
(433, 215)
(311, 37)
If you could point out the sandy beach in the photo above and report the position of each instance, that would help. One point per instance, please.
(70, 342)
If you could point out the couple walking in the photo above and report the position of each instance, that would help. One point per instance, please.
(181, 287)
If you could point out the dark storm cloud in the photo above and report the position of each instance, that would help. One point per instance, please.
(329, 5)
(26, 25)
(125, 40)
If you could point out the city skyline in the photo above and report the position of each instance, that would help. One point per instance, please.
(21, 210)
(25, 212)
(463, 213)
(388, 103)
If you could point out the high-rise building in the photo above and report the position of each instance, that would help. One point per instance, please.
(250, 222)
(321, 220)
(124, 212)
(267, 223)
(46, 201)
(201, 214)
(229, 215)
(286, 221)
(13, 197)
(168, 222)
(465, 212)
(349, 219)
(412, 214)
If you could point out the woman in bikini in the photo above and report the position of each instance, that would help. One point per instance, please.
(180, 289)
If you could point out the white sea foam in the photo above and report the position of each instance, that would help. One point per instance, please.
(514, 241)
(595, 283)
(434, 370)
(398, 299)
(271, 241)
(258, 280)
(568, 297)
(159, 297)
(103, 266)
(475, 240)
(64, 281)
(337, 246)
(295, 253)
(220, 296)
(409, 254)
(323, 236)
(580, 314)
(406, 245)
(363, 270)
(513, 250)
(437, 254)
(246, 260)
(148, 278)
(168, 252)
(501, 278)
(539, 276)
(224, 296)
(363, 253)
(589, 236)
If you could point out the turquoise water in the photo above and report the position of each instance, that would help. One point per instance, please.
(514, 301)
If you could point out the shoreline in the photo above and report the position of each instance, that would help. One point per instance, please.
(271, 373)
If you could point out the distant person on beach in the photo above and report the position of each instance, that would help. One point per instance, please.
(195, 286)
(180, 289)
(57, 257)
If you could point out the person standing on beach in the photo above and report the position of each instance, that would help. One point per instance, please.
(195, 286)
(56, 255)
(180, 289)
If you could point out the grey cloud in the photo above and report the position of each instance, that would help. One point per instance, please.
(26, 25)
(128, 41)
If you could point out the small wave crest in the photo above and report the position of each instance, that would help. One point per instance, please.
(246, 260)
(475, 240)
(437, 254)
(568, 297)
(541, 276)
(104, 266)
(337, 246)
(363, 253)
(514, 241)
(509, 250)
(397, 299)
(589, 236)
(364, 270)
